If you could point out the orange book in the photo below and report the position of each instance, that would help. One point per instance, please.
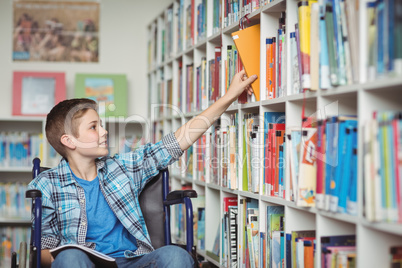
(268, 44)
(273, 67)
(247, 42)
(308, 254)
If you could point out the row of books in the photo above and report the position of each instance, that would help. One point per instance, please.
(244, 243)
(326, 43)
(276, 247)
(384, 33)
(231, 12)
(13, 204)
(206, 91)
(382, 158)
(274, 154)
(323, 164)
(178, 213)
(11, 237)
(17, 149)
(276, 62)
(322, 159)
(328, 48)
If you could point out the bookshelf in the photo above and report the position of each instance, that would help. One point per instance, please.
(361, 97)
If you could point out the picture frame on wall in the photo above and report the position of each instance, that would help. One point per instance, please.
(35, 93)
(108, 90)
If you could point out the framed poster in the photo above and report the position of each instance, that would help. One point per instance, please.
(58, 31)
(108, 90)
(35, 93)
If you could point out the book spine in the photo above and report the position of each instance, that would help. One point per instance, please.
(339, 41)
(304, 10)
(315, 47)
(324, 59)
(332, 52)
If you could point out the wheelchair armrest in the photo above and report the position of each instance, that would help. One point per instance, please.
(33, 193)
(180, 194)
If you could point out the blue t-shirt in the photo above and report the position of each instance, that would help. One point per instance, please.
(104, 229)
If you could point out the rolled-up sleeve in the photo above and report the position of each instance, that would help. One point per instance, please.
(172, 146)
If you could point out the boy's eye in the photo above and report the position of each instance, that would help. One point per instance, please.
(93, 127)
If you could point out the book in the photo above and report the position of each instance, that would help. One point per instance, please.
(247, 42)
(304, 11)
(274, 221)
(314, 46)
(396, 256)
(98, 258)
(296, 235)
(323, 55)
(330, 242)
(320, 158)
(308, 169)
(332, 52)
(232, 235)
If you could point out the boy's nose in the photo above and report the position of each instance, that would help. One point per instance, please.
(103, 131)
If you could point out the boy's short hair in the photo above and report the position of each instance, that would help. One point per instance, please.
(63, 119)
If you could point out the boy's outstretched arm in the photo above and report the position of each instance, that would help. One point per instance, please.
(191, 131)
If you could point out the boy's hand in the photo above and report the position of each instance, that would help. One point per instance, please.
(239, 84)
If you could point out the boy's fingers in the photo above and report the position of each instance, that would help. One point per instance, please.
(241, 73)
(250, 80)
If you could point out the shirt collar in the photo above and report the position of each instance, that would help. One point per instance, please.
(67, 177)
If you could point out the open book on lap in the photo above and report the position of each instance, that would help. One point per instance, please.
(99, 259)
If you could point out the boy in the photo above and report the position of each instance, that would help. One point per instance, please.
(91, 199)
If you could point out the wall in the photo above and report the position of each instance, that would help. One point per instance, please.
(122, 49)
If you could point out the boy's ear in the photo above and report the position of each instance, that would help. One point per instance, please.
(67, 141)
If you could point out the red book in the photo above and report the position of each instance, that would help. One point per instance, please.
(269, 156)
(398, 162)
(266, 161)
(229, 201)
(320, 164)
(278, 141)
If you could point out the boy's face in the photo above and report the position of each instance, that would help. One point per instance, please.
(92, 137)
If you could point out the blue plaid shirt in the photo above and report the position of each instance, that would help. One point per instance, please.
(121, 179)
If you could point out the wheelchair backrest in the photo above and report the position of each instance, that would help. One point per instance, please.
(151, 203)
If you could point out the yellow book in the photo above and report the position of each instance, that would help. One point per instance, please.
(304, 12)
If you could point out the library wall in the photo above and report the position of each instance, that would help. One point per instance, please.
(122, 50)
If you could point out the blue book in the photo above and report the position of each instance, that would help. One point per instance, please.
(391, 39)
(346, 166)
(331, 160)
(352, 194)
(281, 167)
(341, 149)
(288, 250)
(380, 10)
(338, 241)
(283, 246)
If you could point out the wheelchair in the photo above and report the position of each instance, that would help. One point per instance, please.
(155, 201)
